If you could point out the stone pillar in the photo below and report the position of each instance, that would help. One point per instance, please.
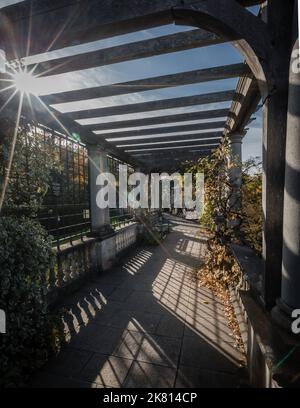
(235, 173)
(275, 98)
(100, 220)
(290, 280)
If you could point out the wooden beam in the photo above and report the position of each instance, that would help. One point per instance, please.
(249, 3)
(163, 130)
(66, 23)
(154, 138)
(168, 160)
(190, 141)
(167, 155)
(182, 145)
(69, 23)
(39, 114)
(27, 8)
(240, 113)
(127, 52)
(160, 120)
(147, 84)
(155, 105)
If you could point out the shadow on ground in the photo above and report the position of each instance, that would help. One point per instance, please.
(147, 324)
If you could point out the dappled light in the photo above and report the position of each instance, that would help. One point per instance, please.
(146, 317)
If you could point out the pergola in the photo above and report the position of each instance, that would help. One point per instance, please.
(265, 42)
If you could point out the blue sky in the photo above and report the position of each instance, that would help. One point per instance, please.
(149, 67)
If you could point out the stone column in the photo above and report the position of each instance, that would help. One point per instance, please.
(100, 220)
(275, 97)
(290, 282)
(235, 173)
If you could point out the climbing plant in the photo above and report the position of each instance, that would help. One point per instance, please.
(230, 215)
(252, 224)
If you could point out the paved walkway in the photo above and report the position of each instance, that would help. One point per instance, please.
(146, 324)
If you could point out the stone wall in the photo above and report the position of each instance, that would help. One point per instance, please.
(87, 257)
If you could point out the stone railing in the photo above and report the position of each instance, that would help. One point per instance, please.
(272, 359)
(126, 237)
(87, 257)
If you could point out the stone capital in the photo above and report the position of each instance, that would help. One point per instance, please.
(236, 137)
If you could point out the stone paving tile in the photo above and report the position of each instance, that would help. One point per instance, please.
(145, 322)
(144, 375)
(99, 287)
(97, 338)
(131, 320)
(106, 370)
(120, 294)
(129, 345)
(170, 326)
(110, 309)
(147, 348)
(175, 306)
(45, 380)
(137, 285)
(191, 377)
(159, 350)
(143, 301)
(119, 319)
(68, 362)
(198, 353)
(142, 322)
(210, 328)
(205, 309)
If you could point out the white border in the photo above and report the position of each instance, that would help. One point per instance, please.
(299, 27)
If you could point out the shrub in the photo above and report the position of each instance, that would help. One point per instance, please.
(25, 255)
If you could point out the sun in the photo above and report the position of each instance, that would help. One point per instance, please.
(25, 82)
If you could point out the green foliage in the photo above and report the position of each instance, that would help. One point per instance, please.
(25, 255)
(32, 167)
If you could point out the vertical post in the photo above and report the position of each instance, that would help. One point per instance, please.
(290, 285)
(279, 14)
(100, 220)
